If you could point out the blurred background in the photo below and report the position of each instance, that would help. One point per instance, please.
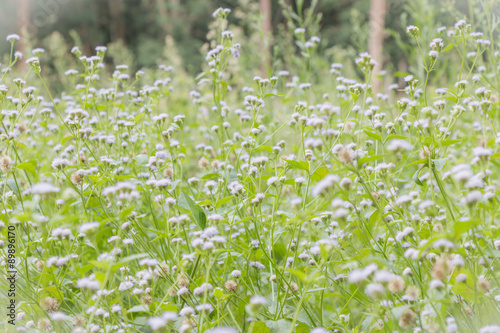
(145, 33)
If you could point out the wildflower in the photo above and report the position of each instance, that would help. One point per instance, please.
(51, 304)
(399, 145)
(413, 30)
(44, 188)
(484, 284)
(375, 290)
(59, 163)
(88, 283)
(235, 273)
(12, 38)
(327, 183)
(58, 316)
(204, 308)
(155, 323)
(396, 284)
(258, 300)
(88, 227)
(5, 163)
(231, 285)
(490, 329)
(222, 330)
(34, 63)
(205, 287)
(407, 319)
(346, 155)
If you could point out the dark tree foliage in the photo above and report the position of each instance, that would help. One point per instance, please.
(142, 25)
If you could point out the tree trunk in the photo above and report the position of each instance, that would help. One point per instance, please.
(117, 25)
(161, 7)
(265, 10)
(23, 14)
(378, 9)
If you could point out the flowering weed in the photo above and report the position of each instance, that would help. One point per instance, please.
(267, 205)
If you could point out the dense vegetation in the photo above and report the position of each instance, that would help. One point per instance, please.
(321, 198)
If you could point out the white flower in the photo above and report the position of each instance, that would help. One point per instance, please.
(319, 330)
(186, 311)
(236, 188)
(435, 284)
(59, 163)
(169, 316)
(58, 316)
(490, 329)
(205, 287)
(204, 308)
(44, 188)
(399, 145)
(481, 151)
(272, 180)
(89, 226)
(374, 289)
(88, 283)
(156, 323)
(222, 330)
(257, 299)
(326, 183)
(182, 291)
(235, 273)
(13, 37)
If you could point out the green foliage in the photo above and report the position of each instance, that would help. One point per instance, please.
(303, 198)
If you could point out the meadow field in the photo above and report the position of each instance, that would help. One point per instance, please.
(319, 192)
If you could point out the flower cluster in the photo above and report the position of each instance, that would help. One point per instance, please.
(256, 203)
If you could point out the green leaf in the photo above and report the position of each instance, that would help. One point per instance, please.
(279, 251)
(223, 201)
(364, 160)
(142, 159)
(138, 308)
(126, 212)
(302, 328)
(451, 98)
(373, 135)
(261, 148)
(374, 217)
(420, 161)
(28, 167)
(320, 174)
(439, 163)
(497, 155)
(218, 293)
(303, 165)
(416, 179)
(461, 227)
(211, 176)
(13, 186)
(282, 325)
(401, 74)
(299, 274)
(66, 139)
(54, 292)
(198, 214)
(446, 143)
(448, 47)
(133, 257)
(258, 327)
(395, 136)
(138, 117)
